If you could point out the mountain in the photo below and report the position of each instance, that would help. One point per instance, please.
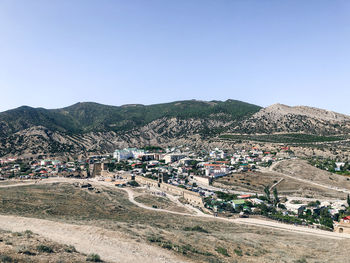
(94, 127)
(282, 118)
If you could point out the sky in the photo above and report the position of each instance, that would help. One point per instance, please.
(59, 52)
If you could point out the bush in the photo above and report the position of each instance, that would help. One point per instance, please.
(196, 228)
(70, 249)
(222, 251)
(238, 252)
(24, 250)
(28, 233)
(5, 259)
(133, 183)
(45, 249)
(93, 258)
(153, 238)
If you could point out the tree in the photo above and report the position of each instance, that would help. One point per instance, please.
(275, 196)
(348, 200)
(267, 192)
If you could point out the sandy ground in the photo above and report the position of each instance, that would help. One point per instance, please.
(110, 245)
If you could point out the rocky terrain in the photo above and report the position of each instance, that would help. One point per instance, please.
(282, 118)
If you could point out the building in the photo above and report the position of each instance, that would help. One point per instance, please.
(343, 226)
(217, 154)
(128, 153)
(215, 170)
(173, 157)
(238, 203)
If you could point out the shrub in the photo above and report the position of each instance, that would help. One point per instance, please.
(154, 239)
(196, 228)
(24, 250)
(238, 252)
(222, 251)
(5, 259)
(133, 183)
(70, 249)
(45, 249)
(93, 258)
(28, 233)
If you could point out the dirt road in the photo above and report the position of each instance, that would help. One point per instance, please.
(250, 221)
(333, 188)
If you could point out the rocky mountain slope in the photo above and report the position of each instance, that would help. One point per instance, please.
(86, 128)
(282, 118)
(96, 128)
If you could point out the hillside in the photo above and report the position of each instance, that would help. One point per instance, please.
(95, 128)
(283, 118)
(86, 117)
(92, 127)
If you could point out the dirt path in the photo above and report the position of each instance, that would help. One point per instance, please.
(110, 245)
(249, 221)
(115, 247)
(271, 170)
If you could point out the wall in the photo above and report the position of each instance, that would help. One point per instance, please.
(201, 179)
(342, 228)
(191, 197)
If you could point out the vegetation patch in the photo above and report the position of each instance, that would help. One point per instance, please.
(196, 228)
(94, 258)
(222, 251)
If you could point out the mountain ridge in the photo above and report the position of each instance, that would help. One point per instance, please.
(92, 127)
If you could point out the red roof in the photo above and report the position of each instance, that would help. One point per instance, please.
(346, 218)
(244, 196)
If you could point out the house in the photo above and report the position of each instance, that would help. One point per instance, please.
(339, 166)
(244, 196)
(343, 226)
(128, 153)
(173, 157)
(215, 170)
(238, 203)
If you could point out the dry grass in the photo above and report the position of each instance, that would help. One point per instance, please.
(160, 202)
(112, 210)
(29, 247)
(256, 181)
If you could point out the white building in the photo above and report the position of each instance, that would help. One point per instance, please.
(217, 154)
(216, 170)
(173, 157)
(128, 153)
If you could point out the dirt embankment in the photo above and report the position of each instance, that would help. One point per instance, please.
(110, 245)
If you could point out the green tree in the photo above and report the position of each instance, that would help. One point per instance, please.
(348, 200)
(267, 192)
(275, 196)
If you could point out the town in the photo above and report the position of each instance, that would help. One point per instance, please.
(194, 178)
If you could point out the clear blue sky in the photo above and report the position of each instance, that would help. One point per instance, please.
(58, 52)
